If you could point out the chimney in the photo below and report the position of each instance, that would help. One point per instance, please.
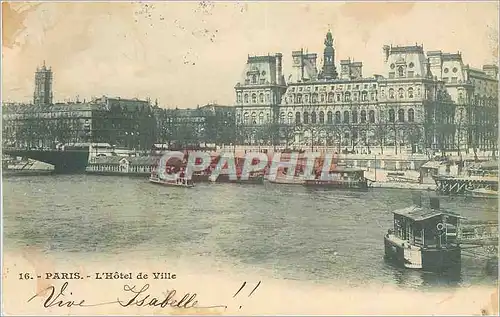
(417, 199)
(279, 68)
(434, 202)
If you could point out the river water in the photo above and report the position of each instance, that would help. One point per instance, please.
(284, 232)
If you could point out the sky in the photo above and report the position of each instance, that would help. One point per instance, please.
(192, 53)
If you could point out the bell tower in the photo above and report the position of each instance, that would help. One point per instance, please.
(43, 86)
(329, 71)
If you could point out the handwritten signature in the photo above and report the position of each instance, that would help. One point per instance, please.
(135, 297)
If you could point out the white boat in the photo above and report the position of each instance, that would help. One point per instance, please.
(177, 182)
(482, 193)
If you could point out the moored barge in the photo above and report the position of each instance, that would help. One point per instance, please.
(340, 177)
(424, 237)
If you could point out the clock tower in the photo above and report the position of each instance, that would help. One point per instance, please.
(329, 71)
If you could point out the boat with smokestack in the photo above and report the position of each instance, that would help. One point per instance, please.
(424, 236)
(176, 175)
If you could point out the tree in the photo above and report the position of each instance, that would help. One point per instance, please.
(380, 134)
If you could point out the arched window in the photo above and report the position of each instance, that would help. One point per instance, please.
(313, 117)
(330, 97)
(254, 79)
(261, 98)
(391, 115)
(410, 92)
(254, 98)
(297, 117)
(245, 99)
(372, 96)
(363, 116)
(347, 96)
(246, 116)
(261, 117)
(401, 93)
(371, 116)
(306, 117)
(299, 98)
(315, 98)
(329, 117)
(268, 97)
(391, 93)
(254, 118)
(282, 118)
(354, 117)
(364, 96)
(346, 116)
(337, 117)
(290, 118)
(401, 71)
(306, 98)
(411, 115)
(401, 115)
(321, 117)
(322, 97)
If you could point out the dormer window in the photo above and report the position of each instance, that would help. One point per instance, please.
(401, 71)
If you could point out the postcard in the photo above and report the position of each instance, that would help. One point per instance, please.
(249, 158)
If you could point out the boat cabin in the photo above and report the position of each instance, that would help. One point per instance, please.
(426, 225)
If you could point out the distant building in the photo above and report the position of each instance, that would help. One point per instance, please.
(184, 128)
(422, 103)
(43, 86)
(125, 123)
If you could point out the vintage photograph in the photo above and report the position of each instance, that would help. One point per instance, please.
(250, 158)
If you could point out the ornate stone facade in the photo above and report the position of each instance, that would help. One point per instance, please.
(413, 107)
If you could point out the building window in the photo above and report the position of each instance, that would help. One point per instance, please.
(354, 117)
(322, 97)
(261, 98)
(268, 97)
(411, 74)
(254, 79)
(346, 116)
(313, 117)
(401, 115)
(261, 117)
(299, 98)
(321, 117)
(330, 97)
(391, 115)
(410, 92)
(290, 118)
(337, 117)
(254, 98)
(363, 116)
(254, 118)
(372, 96)
(411, 115)
(329, 117)
(315, 97)
(282, 118)
(246, 98)
(364, 96)
(238, 98)
(306, 98)
(339, 97)
(401, 93)
(347, 96)
(401, 71)
(391, 93)
(391, 75)
(371, 116)
(306, 117)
